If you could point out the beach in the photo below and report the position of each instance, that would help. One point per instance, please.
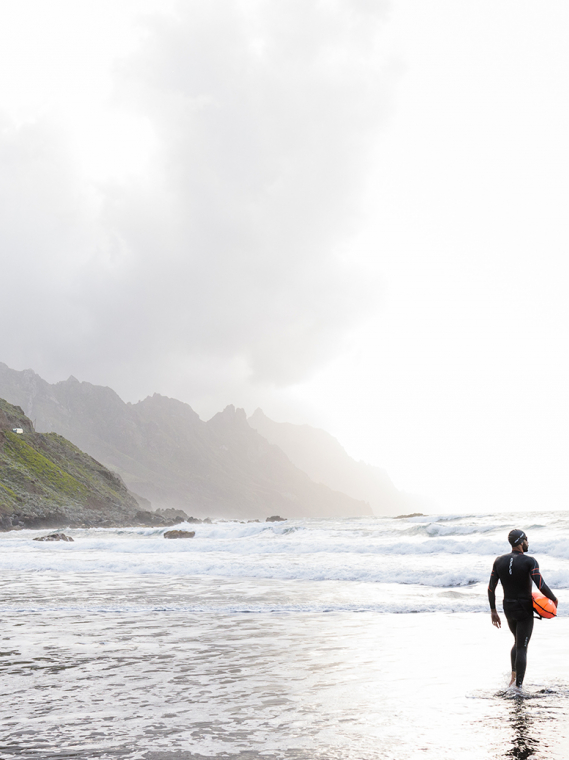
(117, 652)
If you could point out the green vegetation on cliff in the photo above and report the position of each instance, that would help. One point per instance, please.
(46, 481)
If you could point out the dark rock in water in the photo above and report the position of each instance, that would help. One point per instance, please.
(158, 520)
(253, 521)
(414, 514)
(207, 520)
(54, 537)
(148, 519)
(163, 518)
(275, 518)
(176, 515)
(179, 534)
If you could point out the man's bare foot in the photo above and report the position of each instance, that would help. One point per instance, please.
(513, 680)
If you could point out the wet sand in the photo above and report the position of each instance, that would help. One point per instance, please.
(81, 681)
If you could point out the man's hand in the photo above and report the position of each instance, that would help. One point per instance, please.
(496, 619)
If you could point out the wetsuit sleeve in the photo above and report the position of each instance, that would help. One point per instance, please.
(540, 583)
(492, 587)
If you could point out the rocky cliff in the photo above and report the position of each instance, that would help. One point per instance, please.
(46, 481)
(322, 457)
(165, 453)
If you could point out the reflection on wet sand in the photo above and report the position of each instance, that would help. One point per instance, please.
(534, 723)
(523, 742)
(129, 668)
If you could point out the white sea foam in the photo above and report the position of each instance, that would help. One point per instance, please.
(263, 635)
(438, 552)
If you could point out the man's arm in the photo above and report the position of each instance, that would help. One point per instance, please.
(492, 597)
(541, 584)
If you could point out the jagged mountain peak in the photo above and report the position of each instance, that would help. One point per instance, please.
(230, 414)
(171, 408)
(165, 453)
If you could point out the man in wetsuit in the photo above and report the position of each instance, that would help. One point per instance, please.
(516, 571)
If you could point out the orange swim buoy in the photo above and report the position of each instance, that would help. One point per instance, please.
(543, 606)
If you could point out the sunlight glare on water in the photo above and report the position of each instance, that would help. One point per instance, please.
(177, 665)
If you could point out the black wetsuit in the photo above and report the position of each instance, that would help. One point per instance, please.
(516, 571)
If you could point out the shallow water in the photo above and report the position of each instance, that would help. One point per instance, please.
(129, 653)
(85, 681)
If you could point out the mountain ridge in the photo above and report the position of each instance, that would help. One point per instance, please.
(165, 453)
(325, 460)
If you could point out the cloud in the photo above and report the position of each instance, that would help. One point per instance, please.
(48, 229)
(233, 260)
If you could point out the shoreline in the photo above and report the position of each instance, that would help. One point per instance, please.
(161, 518)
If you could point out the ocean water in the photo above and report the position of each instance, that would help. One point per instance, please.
(355, 639)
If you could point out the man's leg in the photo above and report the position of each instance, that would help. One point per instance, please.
(522, 630)
(512, 625)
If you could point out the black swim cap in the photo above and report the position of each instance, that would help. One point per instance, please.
(515, 537)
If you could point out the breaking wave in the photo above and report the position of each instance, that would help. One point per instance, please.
(446, 551)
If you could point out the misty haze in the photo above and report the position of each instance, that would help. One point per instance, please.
(282, 366)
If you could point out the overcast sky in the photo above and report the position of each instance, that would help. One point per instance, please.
(350, 213)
